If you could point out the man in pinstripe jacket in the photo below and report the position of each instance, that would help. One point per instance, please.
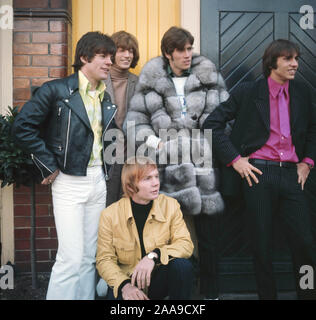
(268, 156)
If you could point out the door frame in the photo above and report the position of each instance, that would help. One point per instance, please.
(6, 99)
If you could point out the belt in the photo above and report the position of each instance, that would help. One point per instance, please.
(284, 164)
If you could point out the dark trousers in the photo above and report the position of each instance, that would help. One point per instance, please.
(174, 280)
(278, 193)
(207, 232)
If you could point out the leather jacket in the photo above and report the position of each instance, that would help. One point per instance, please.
(55, 129)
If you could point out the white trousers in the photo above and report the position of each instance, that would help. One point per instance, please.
(78, 202)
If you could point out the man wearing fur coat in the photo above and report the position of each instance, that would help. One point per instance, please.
(175, 93)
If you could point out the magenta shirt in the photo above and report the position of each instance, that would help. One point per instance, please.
(277, 147)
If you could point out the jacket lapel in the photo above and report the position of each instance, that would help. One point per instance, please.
(77, 106)
(130, 89)
(295, 101)
(109, 88)
(74, 101)
(263, 102)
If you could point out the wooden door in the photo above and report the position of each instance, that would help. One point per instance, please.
(234, 35)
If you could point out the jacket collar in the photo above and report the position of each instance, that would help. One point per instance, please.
(263, 102)
(74, 100)
(73, 83)
(155, 212)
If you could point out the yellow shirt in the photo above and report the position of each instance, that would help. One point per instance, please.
(92, 102)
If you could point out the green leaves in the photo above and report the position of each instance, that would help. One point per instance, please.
(16, 165)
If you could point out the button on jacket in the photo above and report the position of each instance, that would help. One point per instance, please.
(119, 248)
(54, 127)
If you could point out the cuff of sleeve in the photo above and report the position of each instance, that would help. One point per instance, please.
(237, 158)
(153, 141)
(309, 161)
(164, 257)
(157, 250)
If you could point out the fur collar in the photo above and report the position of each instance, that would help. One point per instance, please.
(154, 76)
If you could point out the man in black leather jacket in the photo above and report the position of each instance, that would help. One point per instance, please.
(63, 128)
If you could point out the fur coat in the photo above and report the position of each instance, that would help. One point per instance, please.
(155, 106)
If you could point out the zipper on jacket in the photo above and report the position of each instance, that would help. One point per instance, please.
(105, 169)
(67, 138)
(35, 161)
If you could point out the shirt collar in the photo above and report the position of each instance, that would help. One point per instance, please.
(155, 212)
(185, 73)
(275, 87)
(85, 85)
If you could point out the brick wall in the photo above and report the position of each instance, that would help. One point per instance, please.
(41, 52)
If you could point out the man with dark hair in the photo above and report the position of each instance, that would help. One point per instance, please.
(268, 156)
(62, 127)
(176, 92)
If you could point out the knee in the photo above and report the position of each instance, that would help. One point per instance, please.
(181, 266)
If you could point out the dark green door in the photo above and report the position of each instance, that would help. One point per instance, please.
(234, 34)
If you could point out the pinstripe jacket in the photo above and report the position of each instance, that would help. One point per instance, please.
(249, 106)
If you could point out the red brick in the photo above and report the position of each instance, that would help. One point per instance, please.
(22, 37)
(42, 255)
(53, 233)
(25, 255)
(21, 189)
(42, 210)
(46, 243)
(39, 81)
(45, 222)
(54, 61)
(21, 83)
(58, 72)
(49, 37)
(22, 267)
(21, 198)
(30, 25)
(57, 26)
(38, 48)
(61, 49)
(22, 245)
(22, 222)
(22, 94)
(20, 60)
(22, 210)
(30, 72)
(22, 256)
(42, 188)
(43, 198)
(20, 234)
(42, 233)
(30, 4)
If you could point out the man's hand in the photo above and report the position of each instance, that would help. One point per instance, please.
(130, 292)
(50, 179)
(142, 273)
(303, 170)
(246, 170)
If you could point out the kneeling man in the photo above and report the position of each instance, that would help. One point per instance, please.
(143, 242)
